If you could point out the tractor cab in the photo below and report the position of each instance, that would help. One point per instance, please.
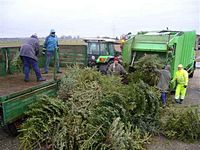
(101, 51)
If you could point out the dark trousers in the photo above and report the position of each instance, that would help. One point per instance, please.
(163, 97)
(28, 62)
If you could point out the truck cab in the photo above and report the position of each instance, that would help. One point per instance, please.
(101, 52)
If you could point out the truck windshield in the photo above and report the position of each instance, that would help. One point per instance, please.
(111, 49)
(104, 49)
(93, 48)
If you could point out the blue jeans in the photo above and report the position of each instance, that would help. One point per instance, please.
(49, 55)
(28, 62)
(163, 97)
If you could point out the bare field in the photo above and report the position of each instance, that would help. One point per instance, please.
(18, 43)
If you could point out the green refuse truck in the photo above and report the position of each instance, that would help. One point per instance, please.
(173, 47)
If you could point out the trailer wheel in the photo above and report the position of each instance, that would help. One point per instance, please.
(12, 129)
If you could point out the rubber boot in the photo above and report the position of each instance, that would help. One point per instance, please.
(177, 101)
(41, 79)
(181, 100)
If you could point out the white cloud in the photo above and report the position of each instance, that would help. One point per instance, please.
(94, 17)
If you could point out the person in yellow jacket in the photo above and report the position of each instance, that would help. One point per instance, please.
(122, 41)
(181, 78)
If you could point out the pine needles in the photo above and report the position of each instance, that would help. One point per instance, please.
(145, 69)
(93, 112)
(97, 112)
(182, 123)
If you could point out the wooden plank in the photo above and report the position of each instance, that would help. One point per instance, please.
(71, 54)
(71, 51)
(71, 63)
(71, 59)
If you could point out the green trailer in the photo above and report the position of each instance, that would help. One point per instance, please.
(173, 47)
(16, 95)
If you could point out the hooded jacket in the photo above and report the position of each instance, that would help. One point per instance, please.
(30, 48)
(51, 42)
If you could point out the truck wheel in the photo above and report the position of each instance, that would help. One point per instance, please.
(191, 75)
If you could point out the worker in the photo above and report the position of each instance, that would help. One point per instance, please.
(28, 53)
(163, 83)
(115, 68)
(50, 45)
(181, 78)
(128, 36)
(122, 42)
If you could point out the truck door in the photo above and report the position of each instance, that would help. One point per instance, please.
(93, 51)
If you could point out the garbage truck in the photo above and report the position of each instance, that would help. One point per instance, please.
(173, 47)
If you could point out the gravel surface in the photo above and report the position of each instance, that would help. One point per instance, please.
(8, 142)
(161, 143)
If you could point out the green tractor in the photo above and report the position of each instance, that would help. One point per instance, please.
(101, 52)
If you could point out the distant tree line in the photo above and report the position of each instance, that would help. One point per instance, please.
(69, 37)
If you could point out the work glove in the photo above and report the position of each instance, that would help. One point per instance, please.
(44, 51)
(57, 48)
(185, 86)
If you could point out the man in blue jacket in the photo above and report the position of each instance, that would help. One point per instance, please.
(28, 53)
(51, 44)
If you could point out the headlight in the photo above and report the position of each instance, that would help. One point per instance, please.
(93, 58)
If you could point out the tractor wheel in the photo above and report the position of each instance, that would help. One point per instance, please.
(103, 69)
(108, 64)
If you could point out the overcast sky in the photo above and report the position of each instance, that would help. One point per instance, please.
(21, 18)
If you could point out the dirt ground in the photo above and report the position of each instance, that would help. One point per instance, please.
(158, 143)
(161, 143)
(8, 142)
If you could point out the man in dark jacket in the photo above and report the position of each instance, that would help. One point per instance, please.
(28, 53)
(163, 83)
